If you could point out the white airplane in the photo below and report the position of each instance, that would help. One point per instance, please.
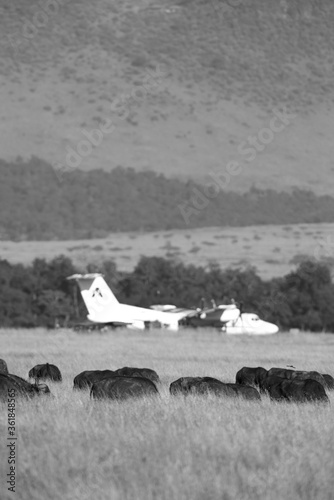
(251, 324)
(104, 308)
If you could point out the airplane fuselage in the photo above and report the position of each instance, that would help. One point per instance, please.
(137, 316)
(250, 324)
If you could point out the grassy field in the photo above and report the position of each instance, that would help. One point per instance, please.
(271, 249)
(71, 448)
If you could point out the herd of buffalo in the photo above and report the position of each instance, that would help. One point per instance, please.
(280, 384)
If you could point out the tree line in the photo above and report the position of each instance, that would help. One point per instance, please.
(36, 204)
(40, 295)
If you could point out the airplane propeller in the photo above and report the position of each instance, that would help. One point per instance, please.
(241, 309)
(240, 306)
(202, 304)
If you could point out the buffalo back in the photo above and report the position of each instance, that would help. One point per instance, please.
(120, 388)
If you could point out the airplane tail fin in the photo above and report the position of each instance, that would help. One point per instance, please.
(96, 294)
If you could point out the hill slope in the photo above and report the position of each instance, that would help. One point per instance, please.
(207, 77)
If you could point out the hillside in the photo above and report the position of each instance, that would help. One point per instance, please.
(194, 80)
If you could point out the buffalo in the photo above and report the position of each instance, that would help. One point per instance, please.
(303, 390)
(138, 372)
(304, 375)
(245, 391)
(272, 385)
(192, 385)
(251, 376)
(294, 390)
(9, 382)
(121, 388)
(329, 380)
(298, 374)
(280, 372)
(46, 371)
(3, 366)
(87, 378)
(201, 385)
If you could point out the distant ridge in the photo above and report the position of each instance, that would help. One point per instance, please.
(34, 205)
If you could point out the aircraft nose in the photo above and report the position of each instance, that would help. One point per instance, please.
(273, 328)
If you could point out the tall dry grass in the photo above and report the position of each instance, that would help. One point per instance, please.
(198, 448)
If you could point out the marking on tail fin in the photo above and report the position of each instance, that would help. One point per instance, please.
(96, 294)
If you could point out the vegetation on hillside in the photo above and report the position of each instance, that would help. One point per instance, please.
(263, 51)
(35, 206)
(223, 71)
(39, 295)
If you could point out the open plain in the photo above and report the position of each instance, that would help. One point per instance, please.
(168, 448)
(272, 249)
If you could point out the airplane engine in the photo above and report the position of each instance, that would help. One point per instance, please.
(230, 315)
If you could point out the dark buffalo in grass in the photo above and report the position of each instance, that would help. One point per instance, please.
(3, 366)
(272, 385)
(200, 385)
(298, 374)
(294, 390)
(186, 385)
(305, 375)
(138, 372)
(329, 380)
(86, 379)
(251, 376)
(245, 391)
(301, 391)
(121, 388)
(280, 372)
(46, 372)
(12, 383)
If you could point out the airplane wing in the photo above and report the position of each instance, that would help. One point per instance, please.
(181, 313)
(163, 307)
(177, 312)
